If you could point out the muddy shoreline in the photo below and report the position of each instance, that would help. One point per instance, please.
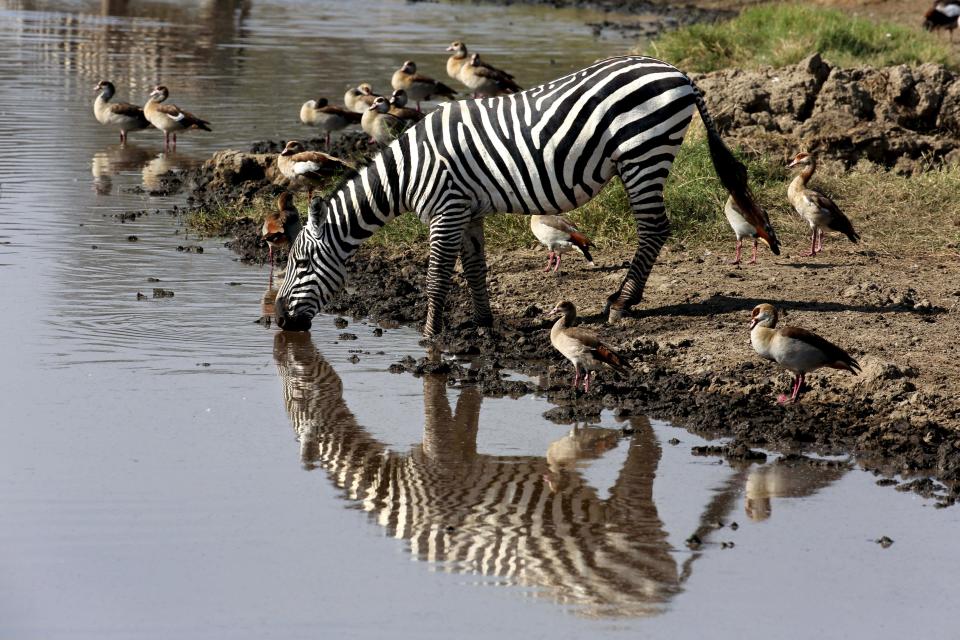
(688, 341)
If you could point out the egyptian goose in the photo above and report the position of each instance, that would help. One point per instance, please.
(398, 107)
(456, 61)
(942, 15)
(119, 115)
(485, 80)
(742, 228)
(419, 87)
(559, 235)
(309, 169)
(379, 124)
(580, 346)
(360, 98)
(796, 350)
(818, 210)
(281, 227)
(327, 117)
(169, 118)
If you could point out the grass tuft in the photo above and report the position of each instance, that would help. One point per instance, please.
(784, 34)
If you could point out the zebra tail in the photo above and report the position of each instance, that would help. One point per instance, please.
(733, 175)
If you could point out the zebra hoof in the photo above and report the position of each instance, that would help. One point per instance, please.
(614, 315)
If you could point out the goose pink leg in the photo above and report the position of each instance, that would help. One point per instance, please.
(736, 258)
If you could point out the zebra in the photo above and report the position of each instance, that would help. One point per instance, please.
(525, 519)
(546, 150)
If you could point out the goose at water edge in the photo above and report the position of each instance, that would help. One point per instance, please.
(419, 87)
(327, 117)
(281, 227)
(170, 118)
(796, 350)
(309, 169)
(581, 347)
(118, 115)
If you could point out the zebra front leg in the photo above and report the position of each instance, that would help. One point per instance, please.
(446, 233)
(474, 261)
(653, 229)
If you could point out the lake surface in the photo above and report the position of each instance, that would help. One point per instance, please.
(171, 469)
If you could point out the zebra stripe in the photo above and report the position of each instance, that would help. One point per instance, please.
(545, 150)
(517, 518)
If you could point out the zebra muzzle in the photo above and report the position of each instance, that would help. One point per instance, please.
(288, 321)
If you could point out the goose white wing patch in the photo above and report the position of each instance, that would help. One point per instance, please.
(950, 10)
(300, 168)
(176, 118)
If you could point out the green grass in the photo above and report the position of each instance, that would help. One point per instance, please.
(783, 34)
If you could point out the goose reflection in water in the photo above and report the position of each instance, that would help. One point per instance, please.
(113, 160)
(532, 521)
(787, 478)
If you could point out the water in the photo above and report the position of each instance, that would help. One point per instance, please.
(169, 468)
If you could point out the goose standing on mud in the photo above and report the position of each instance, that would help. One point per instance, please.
(309, 169)
(796, 350)
(118, 115)
(169, 118)
(380, 124)
(942, 15)
(419, 87)
(742, 228)
(818, 210)
(360, 98)
(281, 227)
(327, 117)
(581, 347)
(559, 235)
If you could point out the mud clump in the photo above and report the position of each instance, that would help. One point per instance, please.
(903, 118)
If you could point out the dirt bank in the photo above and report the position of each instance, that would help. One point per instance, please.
(689, 347)
(902, 118)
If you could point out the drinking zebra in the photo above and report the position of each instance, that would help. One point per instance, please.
(534, 521)
(546, 150)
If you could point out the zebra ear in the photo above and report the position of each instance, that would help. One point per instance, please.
(316, 212)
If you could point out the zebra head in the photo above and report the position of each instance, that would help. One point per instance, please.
(315, 271)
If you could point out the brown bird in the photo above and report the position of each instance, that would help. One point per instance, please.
(398, 108)
(419, 87)
(796, 350)
(818, 210)
(559, 235)
(742, 228)
(486, 80)
(456, 61)
(119, 115)
(581, 346)
(309, 169)
(281, 227)
(360, 98)
(942, 15)
(327, 117)
(382, 127)
(169, 118)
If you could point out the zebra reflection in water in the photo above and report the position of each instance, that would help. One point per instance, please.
(532, 521)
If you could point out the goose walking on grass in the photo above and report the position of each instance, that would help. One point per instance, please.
(419, 87)
(327, 117)
(581, 347)
(281, 227)
(818, 210)
(170, 118)
(796, 350)
(122, 116)
(559, 235)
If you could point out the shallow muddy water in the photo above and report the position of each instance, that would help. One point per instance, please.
(171, 469)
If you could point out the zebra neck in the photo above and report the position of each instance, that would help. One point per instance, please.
(363, 204)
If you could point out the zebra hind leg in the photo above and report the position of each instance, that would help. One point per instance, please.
(645, 193)
(474, 261)
(446, 233)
